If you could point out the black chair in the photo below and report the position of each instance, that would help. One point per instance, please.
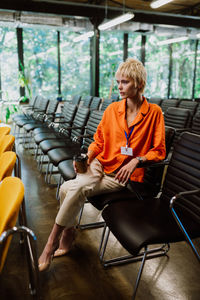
(67, 136)
(166, 103)
(27, 113)
(105, 104)
(178, 118)
(86, 101)
(138, 224)
(151, 186)
(155, 100)
(78, 143)
(26, 109)
(76, 99)
(65, 120)
(95, 104)
(41, 121)
(191, 105)
(66, 116)
(41, 108)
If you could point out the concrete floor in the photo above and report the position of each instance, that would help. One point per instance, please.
(80, 275)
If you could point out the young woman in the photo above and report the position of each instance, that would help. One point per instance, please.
(131, 131)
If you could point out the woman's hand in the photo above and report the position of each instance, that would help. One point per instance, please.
(125, 172)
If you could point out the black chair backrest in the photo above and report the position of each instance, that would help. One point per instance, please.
(155, 100)
(68, 113)
(166, 103)
(76, 99)
(95, 104)
(86, 101)
(183, 173)
(105, 104)
(43, 104)
(191, 105)
(33, 101)
(91, 127)
(80, 121)
(177, 117)
(153, 175)
(51, 109)
(38, 103)
(195, 128)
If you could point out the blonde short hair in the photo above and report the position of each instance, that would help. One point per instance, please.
(133, 69)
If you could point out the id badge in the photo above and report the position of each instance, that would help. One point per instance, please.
(127, 151)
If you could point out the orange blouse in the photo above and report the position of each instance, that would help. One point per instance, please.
(147, 138)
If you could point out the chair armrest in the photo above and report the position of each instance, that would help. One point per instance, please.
(182, 194)
(153, 164)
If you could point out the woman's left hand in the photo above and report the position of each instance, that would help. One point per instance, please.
(125, 172)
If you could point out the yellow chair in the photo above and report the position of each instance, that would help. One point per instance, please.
(7, 163)
(6, 143)
(4, 130)
(11, 198)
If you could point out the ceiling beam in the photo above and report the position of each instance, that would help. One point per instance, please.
(63, 8)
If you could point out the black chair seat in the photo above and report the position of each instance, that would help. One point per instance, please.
(48, 145)
(31, 125)
(44, 128)
(22, 122)
(59, 154)
(66, 169)
(45, 136)
(134, 224)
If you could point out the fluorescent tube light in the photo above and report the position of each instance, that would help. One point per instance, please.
(159, 3)
(83, 36)
(171, 41)
(116, 21)
(198, 35)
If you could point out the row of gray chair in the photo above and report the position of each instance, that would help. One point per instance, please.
(193, 106)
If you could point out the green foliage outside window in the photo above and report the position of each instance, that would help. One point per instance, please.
(197, 81)
(182, 69)
(40, 60)
(157, 66)
(75, 65)
(111, 54)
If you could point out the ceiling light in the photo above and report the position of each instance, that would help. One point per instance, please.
(83, 36)
(198, 35)
(159, 3)
(116, 21)
(171, 41)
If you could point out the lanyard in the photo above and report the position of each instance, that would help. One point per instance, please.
(128, 136)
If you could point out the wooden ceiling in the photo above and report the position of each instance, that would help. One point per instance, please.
(178, 12)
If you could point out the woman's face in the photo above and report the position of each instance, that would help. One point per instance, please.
(126, 86)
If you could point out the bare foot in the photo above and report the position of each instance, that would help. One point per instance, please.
(46, 256)
(66, 241)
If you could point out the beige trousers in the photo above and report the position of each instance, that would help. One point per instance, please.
(73, 193)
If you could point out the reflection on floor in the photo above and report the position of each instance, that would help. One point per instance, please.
(79, 275)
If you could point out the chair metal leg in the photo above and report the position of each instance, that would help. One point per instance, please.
(139, 274)
(31, 257)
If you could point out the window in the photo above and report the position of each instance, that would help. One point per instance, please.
(157, 66)
(75, 65)
(40, 61)
(134, 46)
(182, 69)
(111, 54)
(9, 84)
(197, 83)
